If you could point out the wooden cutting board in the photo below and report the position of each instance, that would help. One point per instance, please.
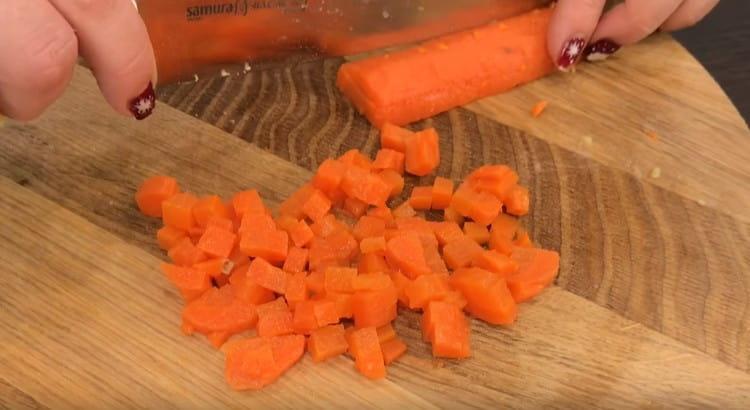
(651, 307)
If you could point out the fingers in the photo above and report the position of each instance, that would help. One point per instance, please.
(628, 23)
(114, 42)
(37, 55)
(688, 14)
(573, 23)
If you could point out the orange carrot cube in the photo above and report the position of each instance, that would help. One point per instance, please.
(152, 193)
(207, 207)
(374, 307)
(257, 223)
(448, 330)
(442, 192)
(326, 312)
(461, 252)
(217, 242)
(496, 262)
(301, 234)
(389, 159)
(394, 180)
(316, 206)
(190, 282)
(372, 263)
(421, 197)
(339, 279)
(368, 357)
(372, 245)
(372, 281)
(304, 320)
(168, 237)
(385, 333)
(177, 211)
(354, 207)
(185, 253)
(392, 350)
(296, 288)
(296, 260)
(425, 289)
(422, 152)
(327, 342)
(446, 232)
(394, 137)
(273, 246)
(248, 202)
(267, 275)
(368, 226)
(477, 232)
(329, 175)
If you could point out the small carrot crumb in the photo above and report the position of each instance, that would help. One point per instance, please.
(652, 135)
(442, 46)
(539, 108)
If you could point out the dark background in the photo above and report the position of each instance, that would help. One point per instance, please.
(721, 43)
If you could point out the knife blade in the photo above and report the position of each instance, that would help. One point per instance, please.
(195, 36)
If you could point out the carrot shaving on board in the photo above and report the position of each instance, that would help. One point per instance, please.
(539, 108)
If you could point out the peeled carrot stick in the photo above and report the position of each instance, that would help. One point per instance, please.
(447, 72)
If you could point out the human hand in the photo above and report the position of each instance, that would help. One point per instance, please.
(580, 29)
(41, 42)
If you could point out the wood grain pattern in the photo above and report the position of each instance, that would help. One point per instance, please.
(666, 278)
(12, 398)
(98, 311)
(654, 249)
(604, 112)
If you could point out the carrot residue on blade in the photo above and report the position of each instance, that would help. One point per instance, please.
(512, 52)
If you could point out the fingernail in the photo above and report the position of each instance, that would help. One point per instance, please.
(570, 53)
(143, 105)
(601, 50)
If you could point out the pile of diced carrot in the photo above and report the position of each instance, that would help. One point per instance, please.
(329, 272)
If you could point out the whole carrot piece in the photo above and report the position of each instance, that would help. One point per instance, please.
(450, 71)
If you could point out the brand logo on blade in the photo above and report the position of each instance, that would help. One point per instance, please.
(237, 8)
(242, 7)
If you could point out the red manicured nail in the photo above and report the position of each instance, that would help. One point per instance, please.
(570, 53)
(143, 105)
(600, 50)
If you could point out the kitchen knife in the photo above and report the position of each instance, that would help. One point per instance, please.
(195, 36)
